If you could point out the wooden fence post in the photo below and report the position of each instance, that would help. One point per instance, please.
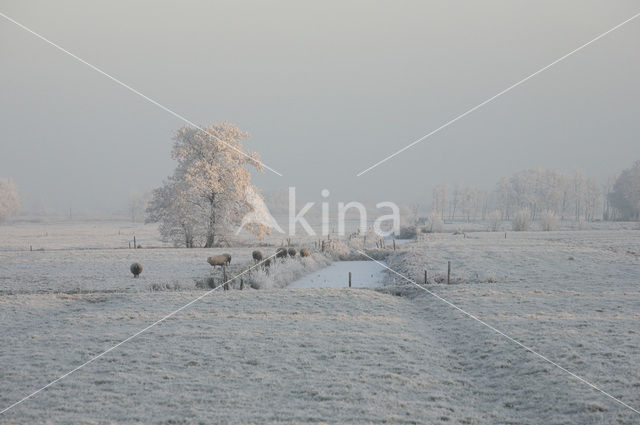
(349, 279)
(394, 244)
(241, 284)
(449, 272)
(224, 278)
(135, 245)
(425, 277)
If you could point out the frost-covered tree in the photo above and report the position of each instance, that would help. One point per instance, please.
(540, 191)
(455, 199)
(9, 199)
(625, 195)
(175, 205)
(520, 221)
(212, 179)
(440, 199)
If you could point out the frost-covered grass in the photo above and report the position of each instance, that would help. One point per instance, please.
(485, 257)
(328, 355)
(54, 235)
(107, 270)
(279, 356)
(572, 296)
(539, 225)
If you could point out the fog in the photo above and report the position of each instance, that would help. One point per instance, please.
(325, 89)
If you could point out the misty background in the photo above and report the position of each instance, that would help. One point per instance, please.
(325, 90)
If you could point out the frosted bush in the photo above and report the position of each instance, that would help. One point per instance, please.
(549, 221)
(434, 223)
(338, 249)
(520, 222)
(284, 271)
(165, 286)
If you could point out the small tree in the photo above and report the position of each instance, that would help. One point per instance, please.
(175, 207)
(9, 199)
(520, 222)
(434, 222)
(625, 196)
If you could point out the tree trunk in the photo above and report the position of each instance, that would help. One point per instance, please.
(211, 233)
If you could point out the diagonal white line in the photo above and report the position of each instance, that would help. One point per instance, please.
(131, 89)
(130, 338)
(529, 349)
(480, 105)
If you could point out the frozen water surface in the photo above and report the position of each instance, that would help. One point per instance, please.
(364, 274)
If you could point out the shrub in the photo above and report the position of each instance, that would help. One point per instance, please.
(434, 223)
(520, 222)
(408, 232)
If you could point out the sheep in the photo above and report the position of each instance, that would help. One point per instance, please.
(257, 256)
(304, 252)
(282, 253)
(136, 269)
(292, 252)
(218, 260)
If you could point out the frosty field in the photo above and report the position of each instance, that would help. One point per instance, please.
(392, 354)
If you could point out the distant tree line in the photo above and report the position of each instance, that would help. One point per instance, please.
(543, 195)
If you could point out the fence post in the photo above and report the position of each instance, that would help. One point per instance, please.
(349, 279)
(241, 284)
(224, 278)
(394, 244)
(135, 245)
(425, 277)
(449, 272)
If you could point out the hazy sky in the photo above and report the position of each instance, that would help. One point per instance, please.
(325, 89)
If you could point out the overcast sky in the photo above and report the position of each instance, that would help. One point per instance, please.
(326, 89)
